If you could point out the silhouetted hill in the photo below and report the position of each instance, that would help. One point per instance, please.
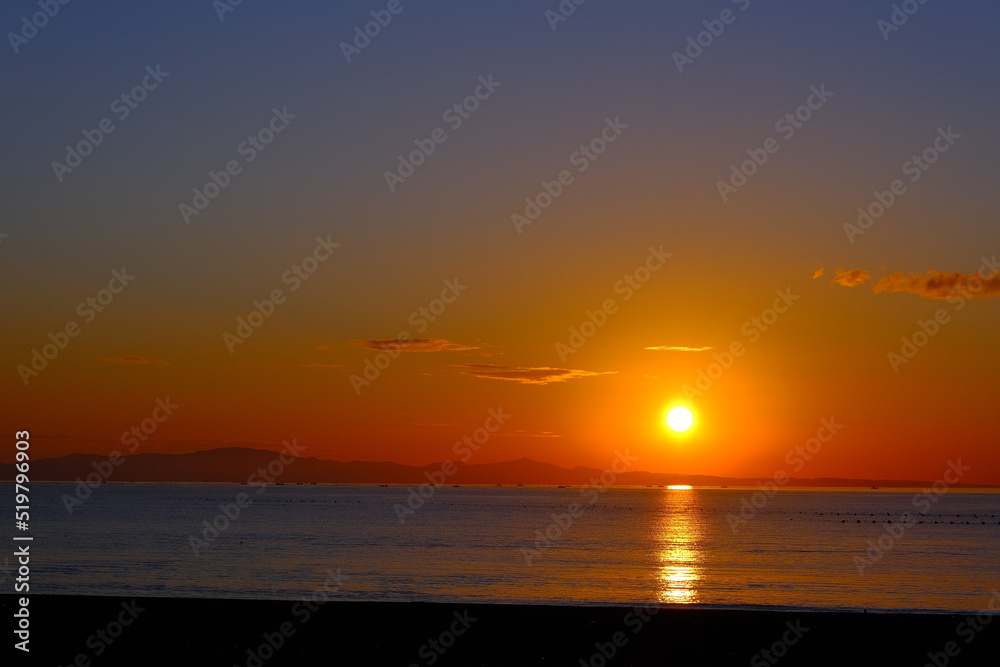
(241, 464)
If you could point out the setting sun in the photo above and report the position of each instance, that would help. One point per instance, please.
(680, 419)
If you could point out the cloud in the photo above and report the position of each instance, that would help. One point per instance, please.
(132, 359)
(323, 347)
(818, 273)
(932, 284)
(851, 278)
(937, 285)
(536, 375)
(413, 345)
(676, 348)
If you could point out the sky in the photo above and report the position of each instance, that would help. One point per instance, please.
(634, 206)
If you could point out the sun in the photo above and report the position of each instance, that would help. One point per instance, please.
(680, 419)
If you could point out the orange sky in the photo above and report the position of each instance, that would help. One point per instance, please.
(825, 357)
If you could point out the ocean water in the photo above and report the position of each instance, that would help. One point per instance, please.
(799, 549)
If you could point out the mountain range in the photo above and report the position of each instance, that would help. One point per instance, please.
(242, 464)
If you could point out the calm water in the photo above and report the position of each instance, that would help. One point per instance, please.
(466, 545)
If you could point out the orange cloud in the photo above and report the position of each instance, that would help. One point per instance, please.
(937, 285)
(413, 345)
(132, 359)
(851, 278)
(538, 375)
(676, 348)
(818, 273)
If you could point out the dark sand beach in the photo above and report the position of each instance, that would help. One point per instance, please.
(236, 632)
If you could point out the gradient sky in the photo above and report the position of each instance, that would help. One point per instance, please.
(656, 185)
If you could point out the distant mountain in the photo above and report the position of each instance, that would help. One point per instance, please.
(243, 464)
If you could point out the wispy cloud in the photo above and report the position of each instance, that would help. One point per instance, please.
(676, 348)
(937, 285)
(531, 375)
(818, 273)
(133, 359)
(930, 285)
(851, 278)
(414, 345)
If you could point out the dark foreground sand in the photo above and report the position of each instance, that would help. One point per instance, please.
(234, 632)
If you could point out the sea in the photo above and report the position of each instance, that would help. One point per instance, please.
(903, 550)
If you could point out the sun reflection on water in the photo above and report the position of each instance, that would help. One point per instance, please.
(680, 553)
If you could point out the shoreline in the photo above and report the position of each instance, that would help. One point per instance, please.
(693, 607)
(956, 488)
(253, 633)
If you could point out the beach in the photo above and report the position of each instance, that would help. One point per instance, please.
(96, 630)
